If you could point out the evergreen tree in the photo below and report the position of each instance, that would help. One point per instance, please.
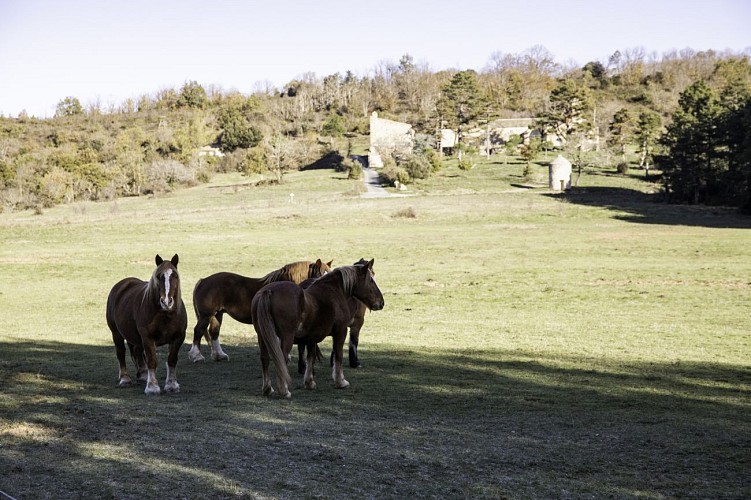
(693, 168)
(568, 112)
(70, 106)
(462, 101)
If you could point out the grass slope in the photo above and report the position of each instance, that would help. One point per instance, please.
(532, 345)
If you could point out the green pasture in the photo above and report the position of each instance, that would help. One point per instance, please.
(533, 345)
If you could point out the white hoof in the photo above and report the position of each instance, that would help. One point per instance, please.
(342, 385)
(174, 387)
(152, 390)
(125, 381)
(219, 356)
(195, 354)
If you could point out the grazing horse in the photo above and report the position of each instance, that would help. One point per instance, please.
(147, 314)
(233, 293)
(285, 313)
(358, 310)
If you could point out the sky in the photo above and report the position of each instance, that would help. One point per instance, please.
(106, 51)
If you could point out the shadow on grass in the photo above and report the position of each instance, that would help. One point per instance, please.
(649, 209)
(414, 423)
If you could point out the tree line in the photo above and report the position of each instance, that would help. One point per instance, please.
(685, 113)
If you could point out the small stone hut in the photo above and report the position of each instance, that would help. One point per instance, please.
(560, 174)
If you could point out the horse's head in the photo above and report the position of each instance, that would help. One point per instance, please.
(166, 280)
(319, 268)
(365, 288)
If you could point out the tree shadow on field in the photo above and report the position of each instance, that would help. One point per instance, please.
(647, 208)
(481, 424)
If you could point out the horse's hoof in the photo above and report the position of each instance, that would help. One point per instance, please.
(195, 357)
(343, 385)
(220, 357)
(268, 391)
(172, 388)
(288, 395)
(311, 385)
(152, 390)
(124, 382)
(356, 364)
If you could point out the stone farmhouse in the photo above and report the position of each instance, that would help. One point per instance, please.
(388, 137)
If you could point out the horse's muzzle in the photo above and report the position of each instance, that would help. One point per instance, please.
(377, 306)
(167, 303)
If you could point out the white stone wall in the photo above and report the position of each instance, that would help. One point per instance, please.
(560, 174)
(387, 137)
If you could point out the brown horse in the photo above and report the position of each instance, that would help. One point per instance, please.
(358, 310)
(147, 314)
(233, 293)
(285, 313)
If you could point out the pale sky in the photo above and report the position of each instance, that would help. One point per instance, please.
(111, 50)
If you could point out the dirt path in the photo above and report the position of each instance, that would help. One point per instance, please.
(373, 185)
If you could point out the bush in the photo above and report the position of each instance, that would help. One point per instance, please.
(393, 173)
(465, 163)
(622, 167)
(353, 168)
(417, 167)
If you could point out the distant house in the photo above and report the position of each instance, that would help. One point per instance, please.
(498, 132)
(388, 137)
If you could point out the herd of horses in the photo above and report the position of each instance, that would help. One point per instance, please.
(301, 303)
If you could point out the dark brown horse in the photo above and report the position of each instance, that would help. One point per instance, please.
(284, 313)
(147, 314)
(358, 310)
(233, 293)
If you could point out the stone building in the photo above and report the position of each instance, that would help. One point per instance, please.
(388, 137)
(560, 174)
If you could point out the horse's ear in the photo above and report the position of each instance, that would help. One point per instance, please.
(330, 262)
(319, 263)
(175, 260)
(370, 264)
(158, 259)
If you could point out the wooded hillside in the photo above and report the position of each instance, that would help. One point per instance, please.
(690, 112)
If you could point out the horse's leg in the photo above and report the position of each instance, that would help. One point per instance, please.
(149, 348)
(124, 379)
(354, 340)
(199, 331)
(171, 384)
(337, 373)
(301, 359)
(136, 352)
(217, 354)
(310, 382)
(264, 351)
(281, 384)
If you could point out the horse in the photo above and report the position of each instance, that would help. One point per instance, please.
(232, 293)
(148, 314)
(358, 310)
(285, 313)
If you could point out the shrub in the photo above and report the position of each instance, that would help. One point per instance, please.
(417, 167)
(622, 167)
(391, 172)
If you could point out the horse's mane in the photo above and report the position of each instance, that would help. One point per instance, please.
(295, 272)
(349, 277)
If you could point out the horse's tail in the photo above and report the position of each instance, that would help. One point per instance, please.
(195, 288)
(267, 334)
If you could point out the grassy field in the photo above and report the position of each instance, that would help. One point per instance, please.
(533, 345)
